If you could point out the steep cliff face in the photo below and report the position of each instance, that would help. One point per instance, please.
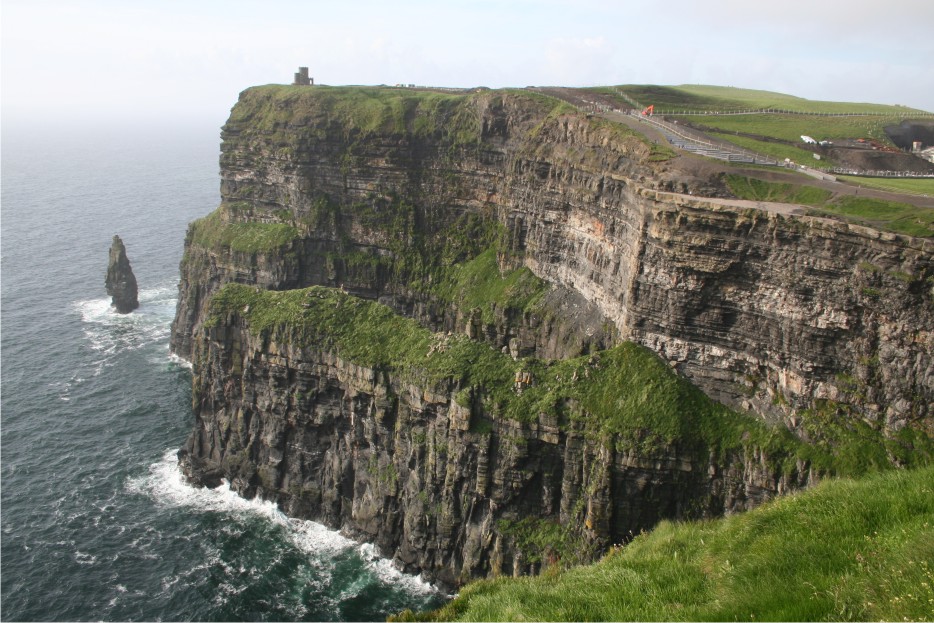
(767, 311)
(509, 221)
(436, 469)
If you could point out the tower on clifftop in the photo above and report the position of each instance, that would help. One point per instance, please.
(301, 78)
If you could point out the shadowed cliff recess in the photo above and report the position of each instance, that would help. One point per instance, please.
(494, 334)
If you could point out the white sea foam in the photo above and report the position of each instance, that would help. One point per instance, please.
(166, 484)
(180, 361)
(386, 571)
(109, 332)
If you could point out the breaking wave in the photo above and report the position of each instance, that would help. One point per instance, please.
(333, 563)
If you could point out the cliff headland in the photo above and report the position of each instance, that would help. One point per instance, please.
(490, 333)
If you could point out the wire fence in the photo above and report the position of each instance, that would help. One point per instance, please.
(674, 112)
(700, 144)
(684, 139)
(892, 174)
(782, 111)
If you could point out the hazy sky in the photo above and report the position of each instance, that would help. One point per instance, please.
(169, 59)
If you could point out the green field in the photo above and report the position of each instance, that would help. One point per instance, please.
(759, 190)
(779, 151)
(809, 116)
(695, 97)
(791, 127)
(902, 218)
(919, 186)
(744, 131)
(893, 216)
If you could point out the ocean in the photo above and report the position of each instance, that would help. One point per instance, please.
(97, 522)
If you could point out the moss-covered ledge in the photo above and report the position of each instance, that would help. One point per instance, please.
(625, 395)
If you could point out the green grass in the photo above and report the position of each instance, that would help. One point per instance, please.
(363, 111)
(626, 393)
(913, 186)
(778, 151)
(771, 99)
(698, 97)
(902, 218)
(759, 190)
(892, 216)
(478, 284)
(215, 232)
(792, 127)
(845, 550)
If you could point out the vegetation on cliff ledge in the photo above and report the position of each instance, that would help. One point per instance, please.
(625, 395)
(892, 216)
(846, 550)
(215, 231)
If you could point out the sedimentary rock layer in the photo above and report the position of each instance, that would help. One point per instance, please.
(437, 476)
(766, 311)
(384, 194)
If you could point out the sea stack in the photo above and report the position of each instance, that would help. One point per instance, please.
(120, 282)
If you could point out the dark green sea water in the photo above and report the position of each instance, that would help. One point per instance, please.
(97, 523)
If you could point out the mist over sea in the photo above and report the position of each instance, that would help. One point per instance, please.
(97, 522)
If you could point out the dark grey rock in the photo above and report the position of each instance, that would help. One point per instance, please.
(772, 312)
(120, 281)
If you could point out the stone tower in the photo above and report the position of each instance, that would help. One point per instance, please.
(301, 78)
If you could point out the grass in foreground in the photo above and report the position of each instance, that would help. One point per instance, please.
(846, 550)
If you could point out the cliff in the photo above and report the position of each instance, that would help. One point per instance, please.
(541, 234)
(452, 457)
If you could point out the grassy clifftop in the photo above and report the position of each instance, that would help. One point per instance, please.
(378, 110)
(846, 550)
(703, 97)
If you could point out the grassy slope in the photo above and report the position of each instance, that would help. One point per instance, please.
(902, 218)
(899, 185)
(846, 550)
(215, 232)
(893, 216)
(707, 97)
(625, 392)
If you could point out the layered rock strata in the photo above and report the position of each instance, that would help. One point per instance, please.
(435, 475)
(792, 318)
(771, 312)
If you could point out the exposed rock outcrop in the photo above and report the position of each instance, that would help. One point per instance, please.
(436, 475)
(120, 280)
(771, 312)
(796, 319)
